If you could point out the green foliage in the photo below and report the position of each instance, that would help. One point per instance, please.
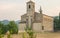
(30, 32)
(13, 29)
(57, 24)
(3, 28)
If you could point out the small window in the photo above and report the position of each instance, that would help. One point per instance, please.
(42, 27)
(29, 6)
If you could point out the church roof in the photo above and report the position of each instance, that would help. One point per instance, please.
(36, 13)
(30, 1)
(23, 14)
(43, 14)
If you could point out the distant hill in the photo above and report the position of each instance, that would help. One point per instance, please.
(5, 22)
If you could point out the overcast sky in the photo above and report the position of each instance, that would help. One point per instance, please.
(13, 9)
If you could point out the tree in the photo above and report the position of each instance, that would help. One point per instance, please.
(56, 24)
(59, 23)
(1, 28)
(13, 29)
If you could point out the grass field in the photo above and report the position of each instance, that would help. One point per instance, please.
(38, 35)
(48, 35)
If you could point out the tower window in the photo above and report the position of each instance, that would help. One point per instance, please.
(29, 6)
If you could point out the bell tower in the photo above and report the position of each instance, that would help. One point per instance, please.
(30, 8)
(30, 12)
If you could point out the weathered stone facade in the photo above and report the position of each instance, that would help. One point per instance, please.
(48, 23)
(38, 21)
(22, 27)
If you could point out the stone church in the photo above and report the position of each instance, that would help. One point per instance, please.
(37, 21)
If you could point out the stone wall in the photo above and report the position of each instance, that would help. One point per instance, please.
(37, 27)
(23, 17)
(22, 27)
(48, 23)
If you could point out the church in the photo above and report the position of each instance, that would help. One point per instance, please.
(38, 22)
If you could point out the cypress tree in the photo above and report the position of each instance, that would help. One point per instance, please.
(59, 22)
(59, 19)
